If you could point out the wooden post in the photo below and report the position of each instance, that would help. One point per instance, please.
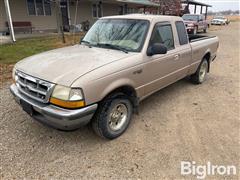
(195, 9)
(206, 13)
(188, 5)
(201, 9)
(9, 17)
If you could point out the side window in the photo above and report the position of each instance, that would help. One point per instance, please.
(163, 34)
(182, 34)
(39, 7)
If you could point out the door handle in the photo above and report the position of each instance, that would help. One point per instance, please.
(139, 71)
(176, 57)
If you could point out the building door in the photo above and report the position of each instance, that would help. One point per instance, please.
(64, 11)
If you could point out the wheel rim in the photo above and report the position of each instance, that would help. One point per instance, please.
(203, 71)
(118, 117)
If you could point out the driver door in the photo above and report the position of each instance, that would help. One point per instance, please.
(162, 70)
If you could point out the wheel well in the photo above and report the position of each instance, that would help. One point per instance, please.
(129, 91)
(207, 57)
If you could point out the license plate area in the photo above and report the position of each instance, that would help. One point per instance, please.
(27, 107)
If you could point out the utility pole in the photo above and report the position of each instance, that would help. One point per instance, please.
(9, 17)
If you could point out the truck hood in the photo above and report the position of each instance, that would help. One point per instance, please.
(190, 22)
(65, 65)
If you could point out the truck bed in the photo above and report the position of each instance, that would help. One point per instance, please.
(202, 45)
(194, 38)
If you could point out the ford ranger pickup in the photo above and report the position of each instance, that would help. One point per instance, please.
(119, 62)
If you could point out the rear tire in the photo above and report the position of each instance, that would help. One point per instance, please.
(113, 116)
(200, 76)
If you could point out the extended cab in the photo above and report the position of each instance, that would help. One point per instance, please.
(195, 23)
(120, 61)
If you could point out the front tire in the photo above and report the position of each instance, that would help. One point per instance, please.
(195, 30)
(205, 30)
(200, 76)
(113, 116)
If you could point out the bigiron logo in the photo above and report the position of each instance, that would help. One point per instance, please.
(202, 171)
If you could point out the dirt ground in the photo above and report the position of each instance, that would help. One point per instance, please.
(182, 122)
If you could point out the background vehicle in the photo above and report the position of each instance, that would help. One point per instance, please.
(121, 61)
(195, 23)
(220, 20)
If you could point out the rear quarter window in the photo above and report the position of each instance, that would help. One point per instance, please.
(182, 33)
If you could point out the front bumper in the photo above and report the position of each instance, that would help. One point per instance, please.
(56, 117)
(216, 23)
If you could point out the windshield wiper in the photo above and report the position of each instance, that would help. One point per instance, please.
(113, 47)
(86, 42)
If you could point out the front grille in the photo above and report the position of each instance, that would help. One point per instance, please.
(33, 87)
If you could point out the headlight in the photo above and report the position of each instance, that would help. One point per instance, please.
(67, 97)
(14, 75)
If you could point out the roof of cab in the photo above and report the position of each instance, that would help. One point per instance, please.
(145, 17)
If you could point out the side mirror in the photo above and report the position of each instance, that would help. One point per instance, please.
(157, 48)
(81, 39)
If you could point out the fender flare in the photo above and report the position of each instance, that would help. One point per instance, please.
(117, 84)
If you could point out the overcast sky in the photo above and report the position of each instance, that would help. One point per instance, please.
(220, 5)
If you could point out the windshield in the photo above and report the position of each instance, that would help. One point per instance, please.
(218, 17)
(118, 34)
(190, 17)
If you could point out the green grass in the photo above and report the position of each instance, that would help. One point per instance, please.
(12, 53)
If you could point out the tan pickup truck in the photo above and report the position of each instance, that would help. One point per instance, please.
(120, 61)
